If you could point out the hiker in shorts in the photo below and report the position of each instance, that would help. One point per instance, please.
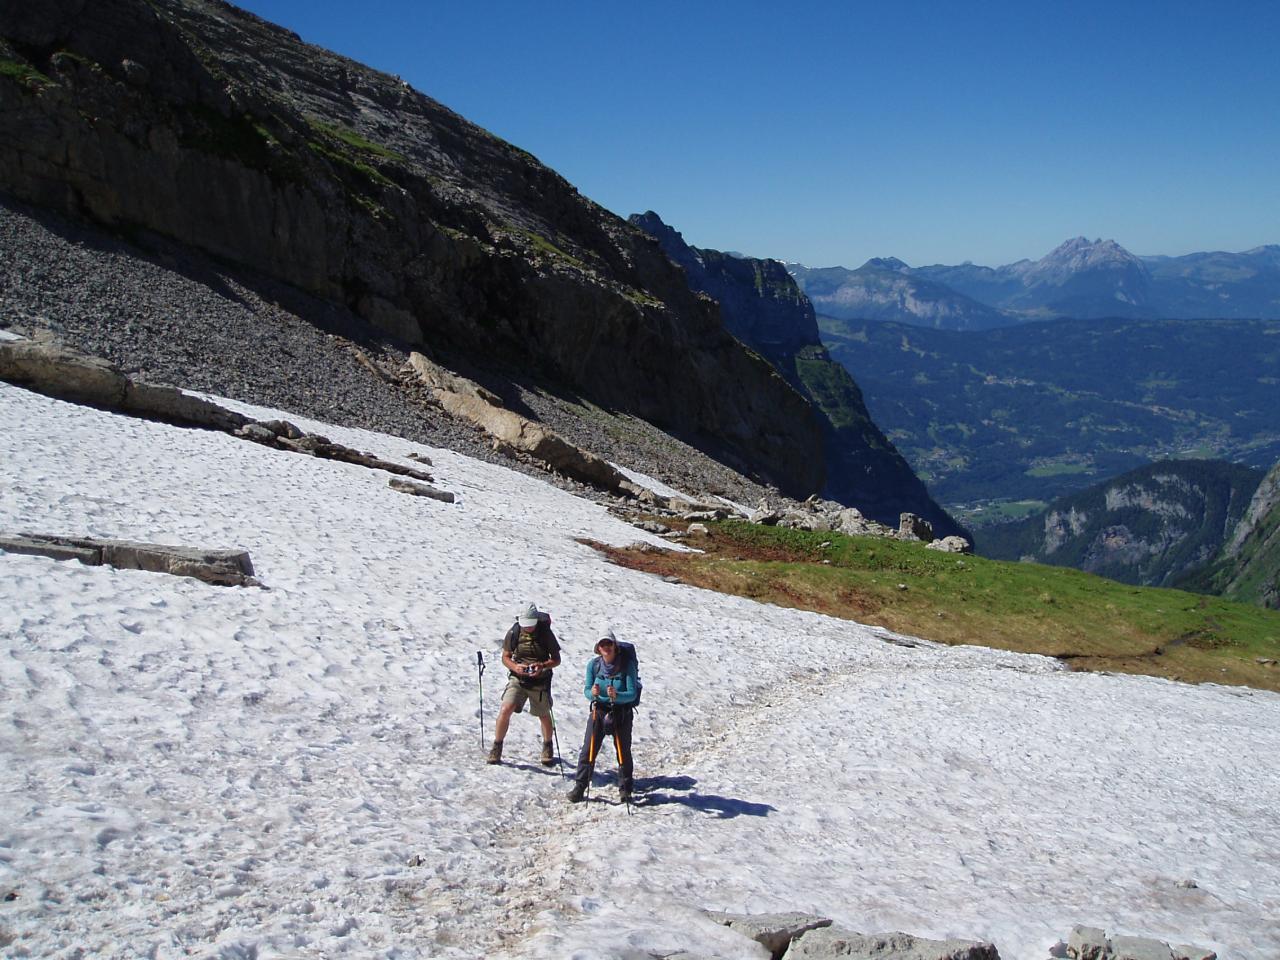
(613, 687)
(530, 652)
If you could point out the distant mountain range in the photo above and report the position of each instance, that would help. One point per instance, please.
(1149, 527)
(1081, 279)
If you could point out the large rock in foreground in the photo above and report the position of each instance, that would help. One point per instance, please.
(829, 943)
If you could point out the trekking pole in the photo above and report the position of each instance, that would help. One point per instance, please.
(555, 734)
(591, 751)
(617, 746)
(480, 680)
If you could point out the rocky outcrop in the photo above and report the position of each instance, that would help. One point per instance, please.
(951, 545)
(204, 124)
(1092, 943)
(911, 527)
(798, 936)
(58, 371)
(218, 567)
(55, 370)
(420, 490)
(773, 931)
(765, 309)
(829, 943)
(513, 433)
(761, 304)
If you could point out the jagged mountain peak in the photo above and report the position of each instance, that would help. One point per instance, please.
(1081, 253)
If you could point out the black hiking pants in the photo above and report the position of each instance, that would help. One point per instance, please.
(611, 728)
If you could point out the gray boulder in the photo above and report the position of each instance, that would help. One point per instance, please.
(171, 404)
(765, 515)
(774, 931)
(257, 433)
(1139, 948)
(652, 526)
(420, 489)
(832, 942)
(952, 545)
(852, 523)
(283, 428)
(218, 567)
(512, 433)
(911, 527)
(1087, 943)
(715, 514)
(67, 374)
(57, 371)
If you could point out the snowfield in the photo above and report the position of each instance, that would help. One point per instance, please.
(297, 771)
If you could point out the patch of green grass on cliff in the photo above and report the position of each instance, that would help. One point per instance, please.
(24, 73)
(835, 393)
(640, 298)
(1087, 621)
(350, 163)
(356, 141)
(543, 245)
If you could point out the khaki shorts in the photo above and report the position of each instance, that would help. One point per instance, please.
(539, 700)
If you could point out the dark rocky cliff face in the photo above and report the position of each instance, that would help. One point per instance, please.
(204, 124)
(765, 309)
(761, 304)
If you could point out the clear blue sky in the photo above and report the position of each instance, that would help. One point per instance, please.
(829, 133)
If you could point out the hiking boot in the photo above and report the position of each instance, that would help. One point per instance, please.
(575, 795)
(495, 752)
(548, 755)
(624, 795)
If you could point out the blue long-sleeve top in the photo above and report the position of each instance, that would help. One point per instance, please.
(625, 681)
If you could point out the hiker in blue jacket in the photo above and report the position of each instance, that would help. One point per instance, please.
(612, 686)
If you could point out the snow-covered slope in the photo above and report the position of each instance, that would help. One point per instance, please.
(297, 771)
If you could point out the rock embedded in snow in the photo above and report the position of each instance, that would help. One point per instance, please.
(58, 371)
(1087, 943)
(1139, 948)
(829, 943)
(217, 567)
(420, 489)
(773, 931)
